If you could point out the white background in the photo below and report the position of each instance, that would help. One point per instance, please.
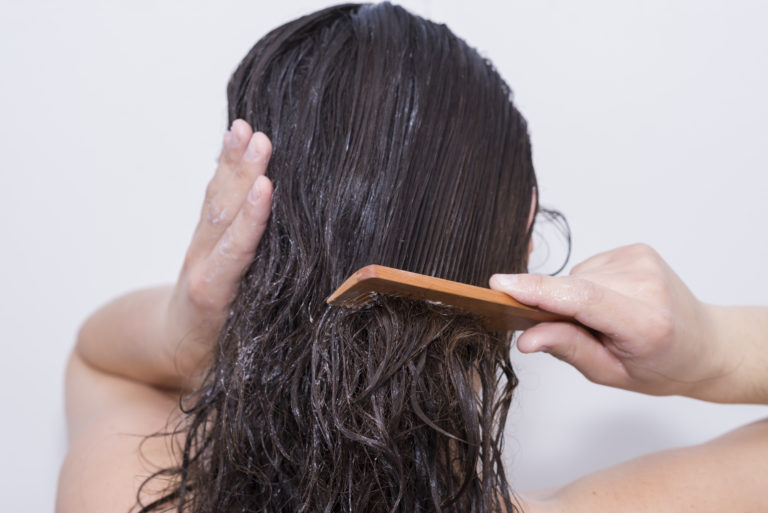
(648, 122)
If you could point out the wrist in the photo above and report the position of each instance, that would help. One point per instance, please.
(739, 362)
(188, 341)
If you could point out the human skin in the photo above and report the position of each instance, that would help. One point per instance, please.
(169, 349)
(136, 354)
(643, 330)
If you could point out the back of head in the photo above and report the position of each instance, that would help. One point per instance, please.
(393, 143)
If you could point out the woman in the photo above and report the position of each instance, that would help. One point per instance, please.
(393, 143)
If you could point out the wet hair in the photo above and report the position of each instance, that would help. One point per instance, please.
(394, 143)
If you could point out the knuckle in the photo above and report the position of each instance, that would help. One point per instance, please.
(202, 289)
(241, 171)
(537, 288)
(218, 215)
(227, 250)
(210, 191)
(643, 251)
(197, 288)
(587, 291)
(537, 284)
(233, 248)
(646, 262)
(630, 252)
(638, 257)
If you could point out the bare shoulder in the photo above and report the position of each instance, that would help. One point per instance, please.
(726, 474)
(109, 456)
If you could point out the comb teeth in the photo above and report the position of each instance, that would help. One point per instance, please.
(496, 310)
(359, 300)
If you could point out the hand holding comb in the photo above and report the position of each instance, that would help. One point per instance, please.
(496, 310)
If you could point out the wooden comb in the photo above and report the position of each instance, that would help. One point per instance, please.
(496, 310)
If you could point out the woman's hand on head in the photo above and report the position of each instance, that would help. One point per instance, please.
(641, 328)
(234, 215)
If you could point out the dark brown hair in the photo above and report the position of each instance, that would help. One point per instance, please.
(394, 143)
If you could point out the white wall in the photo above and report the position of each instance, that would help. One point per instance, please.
(648, 123)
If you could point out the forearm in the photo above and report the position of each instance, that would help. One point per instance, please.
(129, 337)
(742, 335)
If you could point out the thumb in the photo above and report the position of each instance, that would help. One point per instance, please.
(577, 346)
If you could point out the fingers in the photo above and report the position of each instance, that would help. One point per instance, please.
(234, 215)
(576, 346)
(235, 140)
(591, 304)
(237, 246)
(233, 183)
(244, 157)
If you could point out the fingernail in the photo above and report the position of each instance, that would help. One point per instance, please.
(505, 280)
(526, 345)
(253, 153)
(254, 194)
(241, 131)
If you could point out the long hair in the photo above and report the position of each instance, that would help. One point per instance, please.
(394, 143)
